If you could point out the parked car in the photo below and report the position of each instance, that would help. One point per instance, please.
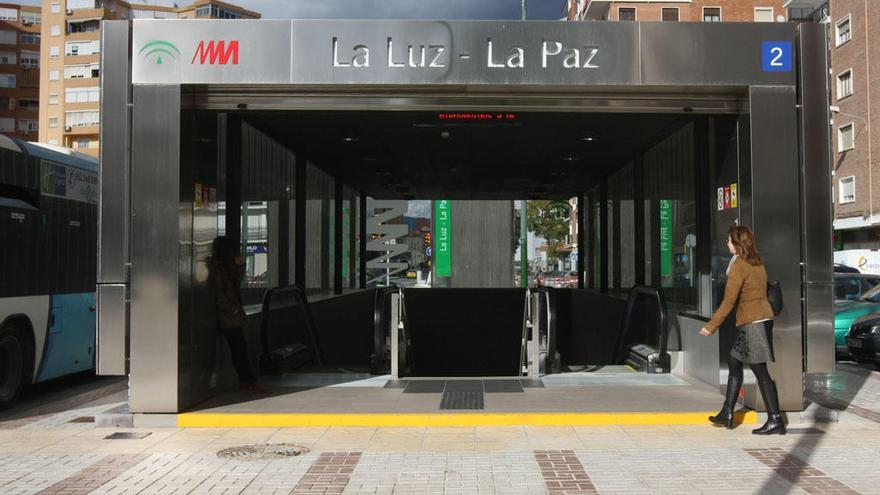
(863, 340)
(560, 278)
(851, 286)
(841, 268)
(847, 311)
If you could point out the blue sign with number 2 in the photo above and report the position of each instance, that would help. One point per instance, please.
(776, 56)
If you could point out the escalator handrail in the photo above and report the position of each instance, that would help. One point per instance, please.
(380, 323)
(662, 319)
(300, 295)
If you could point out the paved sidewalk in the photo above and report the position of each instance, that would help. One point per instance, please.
(58, 455)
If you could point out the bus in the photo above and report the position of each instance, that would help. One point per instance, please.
(48, 245)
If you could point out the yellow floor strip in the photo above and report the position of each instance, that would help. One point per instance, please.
(245, 420)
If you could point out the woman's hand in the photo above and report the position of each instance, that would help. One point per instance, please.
(705, 333)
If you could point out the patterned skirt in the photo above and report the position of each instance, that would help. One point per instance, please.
(754, 344)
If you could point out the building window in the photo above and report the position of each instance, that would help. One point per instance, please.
(844, 30)
(80, 119)
(53, 75)
(53, 142)
(90, 26)
(56, 30)
(626, 13)
(711, 14)
(28, 125)
(29, 104)
(82, 47)
(81, 71)
(7, 58)
(847, 189)
(53, 122)
(763, 14)
(7, 80)
(844, 84)
(216, 12)
(30, 38)
(83, 143)
(7, 124)
(84, 4)
(56, 8)
(53, 99)
(7, 102)
(31, 18)
(670, 14)
(7, 37)
(55, 51)
(30, 60)
(82, 95)
(7, 14)
(845, 139)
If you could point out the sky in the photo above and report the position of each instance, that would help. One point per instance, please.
(394, 9)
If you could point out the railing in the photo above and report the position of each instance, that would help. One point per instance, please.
(662, 322)
(289, 296)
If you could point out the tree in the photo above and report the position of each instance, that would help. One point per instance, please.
(549, 219)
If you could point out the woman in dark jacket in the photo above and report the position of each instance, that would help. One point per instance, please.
(747, 290)
(226, 274)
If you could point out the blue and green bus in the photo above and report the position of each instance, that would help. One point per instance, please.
(48, 243)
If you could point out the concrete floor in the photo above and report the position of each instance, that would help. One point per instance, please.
(580, 392)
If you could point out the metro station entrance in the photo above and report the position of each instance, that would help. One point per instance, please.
(306, 165)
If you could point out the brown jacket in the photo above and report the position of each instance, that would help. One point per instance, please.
(748, 283)
(227, 296)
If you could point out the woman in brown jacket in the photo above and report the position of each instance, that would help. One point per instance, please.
(747, 284)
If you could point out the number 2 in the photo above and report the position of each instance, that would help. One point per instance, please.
(777, 57)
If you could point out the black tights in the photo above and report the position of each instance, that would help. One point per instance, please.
(735, 368)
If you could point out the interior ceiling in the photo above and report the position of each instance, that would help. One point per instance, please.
(425, 155)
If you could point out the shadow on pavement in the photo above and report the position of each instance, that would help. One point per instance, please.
(835, 391)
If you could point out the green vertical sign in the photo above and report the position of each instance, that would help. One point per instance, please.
(443, 238)
(346, 243)
(665, 238)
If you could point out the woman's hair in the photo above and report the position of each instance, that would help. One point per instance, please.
(223, 251)
(744, 242)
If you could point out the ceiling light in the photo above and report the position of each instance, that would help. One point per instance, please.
(571, 157)
(588, 136)
(444, 134)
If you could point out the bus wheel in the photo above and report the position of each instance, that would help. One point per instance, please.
(11, 365)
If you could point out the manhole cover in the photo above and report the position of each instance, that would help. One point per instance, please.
(262, 452)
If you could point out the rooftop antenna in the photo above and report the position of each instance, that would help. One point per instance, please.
(523, 9)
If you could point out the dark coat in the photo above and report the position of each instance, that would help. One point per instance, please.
(227, 295)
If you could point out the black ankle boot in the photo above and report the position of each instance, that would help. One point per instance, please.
(725, 416)
(775, 424)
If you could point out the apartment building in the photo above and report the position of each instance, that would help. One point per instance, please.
(70, 93)
(677, 11)
(854, 88)
(19, 70)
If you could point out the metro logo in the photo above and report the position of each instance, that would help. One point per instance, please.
(216, 52)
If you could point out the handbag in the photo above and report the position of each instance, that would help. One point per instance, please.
(774, 296)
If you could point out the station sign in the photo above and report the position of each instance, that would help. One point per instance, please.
(338, 52)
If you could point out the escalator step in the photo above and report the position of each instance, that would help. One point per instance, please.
(459, 400)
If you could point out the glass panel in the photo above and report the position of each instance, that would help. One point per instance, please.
(627, 227)
(725, 174)
(670, 195)
(319, 229)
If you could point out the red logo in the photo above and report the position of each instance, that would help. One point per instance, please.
(216, 52)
